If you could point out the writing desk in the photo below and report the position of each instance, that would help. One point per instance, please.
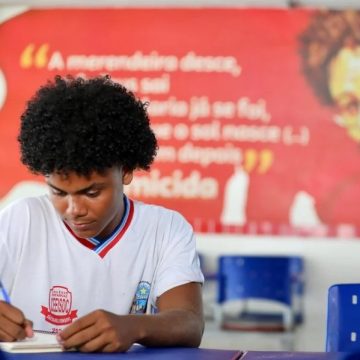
(285, 355)
(136, 352)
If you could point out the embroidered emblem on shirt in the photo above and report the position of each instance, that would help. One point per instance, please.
(59, 311)
(141, 298)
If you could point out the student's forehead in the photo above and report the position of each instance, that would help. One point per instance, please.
(92, 176)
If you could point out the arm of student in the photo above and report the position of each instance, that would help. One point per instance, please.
(179, 322)
(180, 318)
(13, 324)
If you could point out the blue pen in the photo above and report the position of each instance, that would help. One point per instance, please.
(4, 293)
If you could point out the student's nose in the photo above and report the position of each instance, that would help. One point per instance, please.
(76, 207)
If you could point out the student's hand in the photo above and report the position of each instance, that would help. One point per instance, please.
(13, 324)
(178, 322)
(99, 331)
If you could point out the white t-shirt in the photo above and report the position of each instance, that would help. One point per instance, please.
(55, 278)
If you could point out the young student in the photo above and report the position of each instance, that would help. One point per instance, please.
(99, 269)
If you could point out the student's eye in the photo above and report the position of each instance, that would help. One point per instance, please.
(57, 192)
(93, 193)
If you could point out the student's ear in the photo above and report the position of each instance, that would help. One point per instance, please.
(127, 177)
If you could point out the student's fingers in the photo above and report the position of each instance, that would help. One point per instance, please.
(4, 336)
(12, 313)
(10, 331)
(28, 327)
(93, 332)
(115, 346)
(87, 340)
(12, 323)
(104, 343)
(76, 327)
(93, 340)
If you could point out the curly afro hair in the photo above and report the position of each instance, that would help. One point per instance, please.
(77, 125)
(327, 33)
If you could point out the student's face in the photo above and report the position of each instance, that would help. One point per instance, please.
(90, 206)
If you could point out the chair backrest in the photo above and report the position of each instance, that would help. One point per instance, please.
(208, 275)
(277, 278)
(343, 318)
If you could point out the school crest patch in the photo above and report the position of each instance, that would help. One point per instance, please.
(141, 298)
(59, 311)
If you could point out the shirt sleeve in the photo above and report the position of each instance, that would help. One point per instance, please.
(179, 262)
(7, 268)
(14, 220)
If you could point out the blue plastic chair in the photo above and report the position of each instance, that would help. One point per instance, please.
(276, 279)
(343, 318)
(208, 289)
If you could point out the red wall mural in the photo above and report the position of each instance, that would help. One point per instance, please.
(256, 111)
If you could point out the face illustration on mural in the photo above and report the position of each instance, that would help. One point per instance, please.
(330, 48)
(344, 86)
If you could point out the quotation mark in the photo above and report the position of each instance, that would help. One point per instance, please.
(261, 160)
(33, 56)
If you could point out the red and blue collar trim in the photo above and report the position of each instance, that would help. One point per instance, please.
(102, 247)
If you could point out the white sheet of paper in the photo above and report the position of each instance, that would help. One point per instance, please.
(39, 343)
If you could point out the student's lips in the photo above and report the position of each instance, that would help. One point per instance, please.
(81, 226)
